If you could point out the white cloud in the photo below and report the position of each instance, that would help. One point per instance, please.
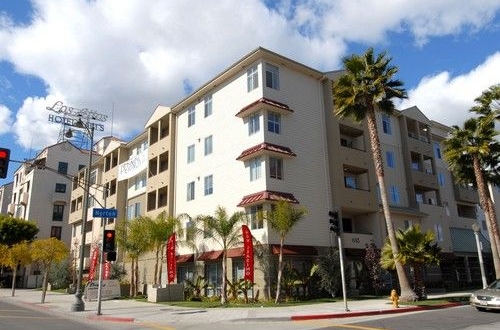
(130, 57)
(5, 120)
(448, 99)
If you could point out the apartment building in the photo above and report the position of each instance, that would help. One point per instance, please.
(263, 130)
(41, 193)
(5, 197)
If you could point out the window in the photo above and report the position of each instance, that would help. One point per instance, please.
(350, 181)
(386, 124)
(276, 168)
(62, 168)
(441, 179)
(437, 150)
(252, 78)
(408, 224)
(272, 76)
(256, 217)
(391, 162)
(438, 229)
(273, 122)
(190, 191)
(55, 231)
(140, 181)
(253, 123)
(209, 185)
(208, 105)
(133, 211)
(60, 187)
(255, 166)
(190, 154)
(57, 212)
(394, 192)
(93, 177)
(208, 145)
(191, 116)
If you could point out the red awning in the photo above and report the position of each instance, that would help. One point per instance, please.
(295, 250)
(210, 255)
(257, 105)
(268, 195)
(184, 258)
(265, 147)
(236, 252)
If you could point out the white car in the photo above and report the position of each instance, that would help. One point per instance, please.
(487, 298)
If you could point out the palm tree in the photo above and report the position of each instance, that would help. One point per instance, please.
(366, 87)
(226, 232)
(159, 230)
(132, 236)
(468, 151)
(282, 218)
(415, 249)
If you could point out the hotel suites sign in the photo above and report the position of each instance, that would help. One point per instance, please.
(69, 116)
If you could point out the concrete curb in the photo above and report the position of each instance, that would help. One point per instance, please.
(111, 318)
(371, 312)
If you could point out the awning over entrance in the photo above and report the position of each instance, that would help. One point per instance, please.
(267, 195)
(211, 255)
(294, 250)
(185, 258)
(463, 240)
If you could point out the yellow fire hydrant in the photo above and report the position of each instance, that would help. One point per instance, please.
(394, 298)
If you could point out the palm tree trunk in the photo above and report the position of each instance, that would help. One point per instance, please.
(490, 222)
(407, 293)
(136, 276)
(280, 271)
(133, 289)
(156, 267)
(223, 298)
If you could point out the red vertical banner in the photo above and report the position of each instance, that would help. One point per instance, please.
(93, 263)
(248, 253)
(171, 263)
(107, 270)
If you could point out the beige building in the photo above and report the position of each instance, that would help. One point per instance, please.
(263, 130)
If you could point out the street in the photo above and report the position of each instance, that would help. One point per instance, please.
(18, 317)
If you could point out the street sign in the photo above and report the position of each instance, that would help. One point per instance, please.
(104, 213)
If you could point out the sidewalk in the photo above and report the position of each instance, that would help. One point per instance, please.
(129, 310)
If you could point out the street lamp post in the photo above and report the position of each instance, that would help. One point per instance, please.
(79, 304)
(475, 228)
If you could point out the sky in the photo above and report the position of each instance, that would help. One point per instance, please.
(123, 58)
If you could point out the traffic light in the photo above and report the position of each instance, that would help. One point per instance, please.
(4, 162)
(334, 221)
(109, 241)
(111, 256)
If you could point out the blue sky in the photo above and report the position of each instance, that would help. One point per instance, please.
(123, 58)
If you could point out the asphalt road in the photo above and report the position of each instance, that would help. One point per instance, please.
(16, 317)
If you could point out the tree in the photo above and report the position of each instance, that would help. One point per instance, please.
(48, 252)
(327, 269)
(415, 249)
(160, 230)
(225, 230)
(18, 255)
(372, 264)
(365, 88)
(468, 152)
(133, 238)
(282, 218)
(14, 230)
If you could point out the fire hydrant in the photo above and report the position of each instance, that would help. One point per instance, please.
(394, 298)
